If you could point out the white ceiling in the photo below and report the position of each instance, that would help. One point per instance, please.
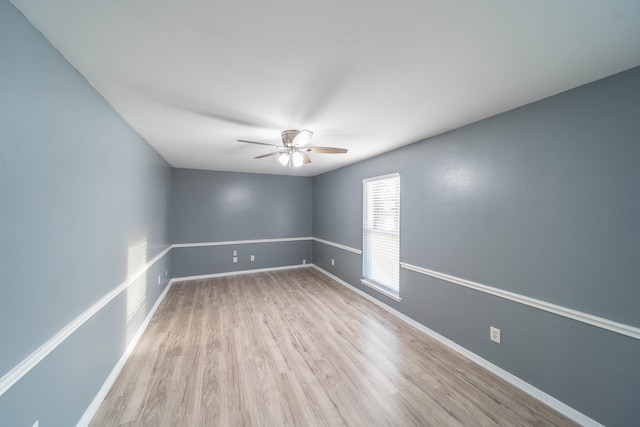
(193, 76)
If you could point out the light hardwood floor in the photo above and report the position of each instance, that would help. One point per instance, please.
(293, 347)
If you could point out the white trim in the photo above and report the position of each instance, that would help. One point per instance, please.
(91, 411)
(375, 178)
(111, 379)
(600, 322)
(236, 273)
(287, 239)
(22, 368)
(239, 242)
(338, 245)
(550, 401)
(381, 290)
(375, 192)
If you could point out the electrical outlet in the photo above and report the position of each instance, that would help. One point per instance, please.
(333, 261)
(235, 259)
(235, 252)
(304, 261)
(253, 257)
(495, 334)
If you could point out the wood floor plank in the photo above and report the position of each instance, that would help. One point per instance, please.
(293, 347)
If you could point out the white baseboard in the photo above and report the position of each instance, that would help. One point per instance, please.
(235, 273)
(111, 379)
(21, 369)
(104, 390)
(538, 394)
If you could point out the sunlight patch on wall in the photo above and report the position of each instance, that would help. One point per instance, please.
(137, 290)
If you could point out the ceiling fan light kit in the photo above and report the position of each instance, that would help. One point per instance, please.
(293, 160)
(291, 153)
(284, 159)
(297, 159)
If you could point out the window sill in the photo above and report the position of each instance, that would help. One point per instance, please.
(386, 292)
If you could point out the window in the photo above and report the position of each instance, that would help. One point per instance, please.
(381, 234)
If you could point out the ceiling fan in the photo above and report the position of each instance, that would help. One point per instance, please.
(293, 152)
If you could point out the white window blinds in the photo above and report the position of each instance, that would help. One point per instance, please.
(381, 232)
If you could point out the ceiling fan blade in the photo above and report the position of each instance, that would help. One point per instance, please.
(306, 158)
(326, 150)
(302, 138)
(268, 154)
(259, 143)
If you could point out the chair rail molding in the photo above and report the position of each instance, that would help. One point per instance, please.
(600, 322)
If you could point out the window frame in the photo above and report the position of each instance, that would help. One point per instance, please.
(367, 281)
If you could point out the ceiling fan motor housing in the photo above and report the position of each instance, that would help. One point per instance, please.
(288, 136)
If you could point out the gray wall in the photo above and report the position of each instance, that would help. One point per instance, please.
(210, 206)
(84, 202)
(541, 201)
